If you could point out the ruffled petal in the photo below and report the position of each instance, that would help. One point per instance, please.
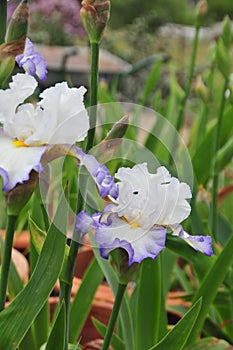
(41, 67)
(152, 199)
(84, 222)
(68, 121)
(21, 87)
(201, 244)
(29, 66)
(138, 242)
(29, 48)
(32, 62)
(100, 174)
(16, 163)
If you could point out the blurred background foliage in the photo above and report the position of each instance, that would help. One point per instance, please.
(56, 22)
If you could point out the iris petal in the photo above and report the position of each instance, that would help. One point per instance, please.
(138, 242)
(201, 244)
(17, 162)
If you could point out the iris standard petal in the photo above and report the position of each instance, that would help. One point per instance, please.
(21, 87)
(17, 162)
(41, 67)
(68, 120)
(32, 62)
(152, 199)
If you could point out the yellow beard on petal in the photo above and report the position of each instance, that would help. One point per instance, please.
(19, 143)
(133, 224)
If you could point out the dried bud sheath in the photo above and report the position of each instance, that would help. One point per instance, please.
(95, 15)
(18, 25)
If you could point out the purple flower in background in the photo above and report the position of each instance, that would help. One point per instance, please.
(66, 12)
(32, 62)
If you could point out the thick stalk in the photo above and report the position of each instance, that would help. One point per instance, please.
(115, 311)
(3, 20)
(6, 258)
(94, 79)
(214, 207)
(66, 284)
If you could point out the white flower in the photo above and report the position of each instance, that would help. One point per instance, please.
(28, 131)
(147, 205)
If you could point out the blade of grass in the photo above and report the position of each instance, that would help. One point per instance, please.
(16, 319)
(125, 314)
(81, 304)
(177, 337)
(209, 287)
(57, 336)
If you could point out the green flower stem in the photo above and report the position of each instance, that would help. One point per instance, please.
(66, 286)
(6, 258)
(3, 20)
(214, 207)
(180, 119)
(116, 308)
(93, 94)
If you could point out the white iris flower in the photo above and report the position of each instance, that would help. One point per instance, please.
(147, 206)
(28, 131)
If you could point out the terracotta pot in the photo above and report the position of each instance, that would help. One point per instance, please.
(100, 309)
(176, 306)
(21, 239)
(21, 264)
(94, 345)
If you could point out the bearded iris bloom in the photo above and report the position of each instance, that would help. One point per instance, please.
(30, 132)
(147, 207)
(32, 62)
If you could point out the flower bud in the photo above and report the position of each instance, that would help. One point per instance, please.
(95, 15)
(121, 262)
(6, 68)
(223, 59)
(223, 49)
(18, 25)
(119, 129)
(20, 194)
(201, 89)
(201, 9)
(8, 52)
(113, 139)
(12, 48)
(227, 33)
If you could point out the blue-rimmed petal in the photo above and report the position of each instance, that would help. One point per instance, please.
(138, 242)
(16, 163)
(41, 67)
(32, 62)
(100, 174)
(84, 222)
(201, 244)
